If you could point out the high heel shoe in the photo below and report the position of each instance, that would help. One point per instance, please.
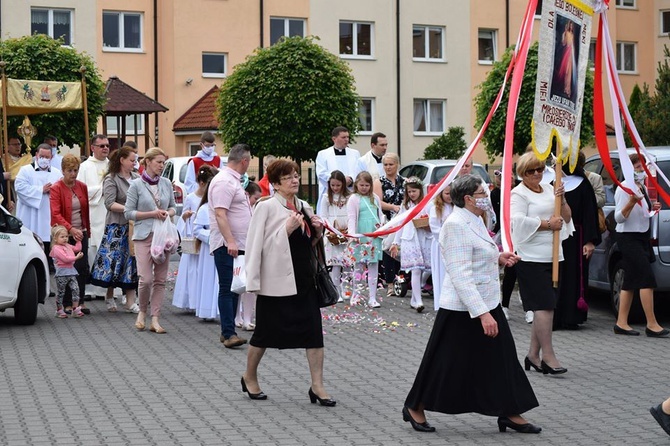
(421, 427)
(527, 364)
(157, 329)
(253, 396)
(313, 397)
(552, 371)
(504, 423)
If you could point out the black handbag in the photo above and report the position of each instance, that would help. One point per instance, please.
(326, 291)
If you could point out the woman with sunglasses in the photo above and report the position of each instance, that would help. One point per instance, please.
(533, 227)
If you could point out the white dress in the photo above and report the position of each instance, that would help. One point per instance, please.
(336, 215)
(185, 287)
(207, 306)
(414, 245)
(436, 261)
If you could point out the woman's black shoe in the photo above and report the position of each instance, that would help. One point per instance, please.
(504, 423)
(421, 427)
(550, 370)
(328, 402)
(623, 331)
(664, 332)
(253, 396)
(527, 364)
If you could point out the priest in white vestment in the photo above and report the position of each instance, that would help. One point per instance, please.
(92, 172)
(337, 157)
(372, 161)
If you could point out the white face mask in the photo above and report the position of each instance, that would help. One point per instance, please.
(208, 150)
(44, 163)
(136, 165)
(640, 176)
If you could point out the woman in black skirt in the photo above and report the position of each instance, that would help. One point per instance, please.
(280, 270)
(632, 235)
(470, 363)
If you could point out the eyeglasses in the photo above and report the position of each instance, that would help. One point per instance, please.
(536, 170)
(290, 177)
(480, 192)
(101, 145)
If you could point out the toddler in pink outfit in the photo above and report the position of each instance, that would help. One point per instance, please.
(66, 275)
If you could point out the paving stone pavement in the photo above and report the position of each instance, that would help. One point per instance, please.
(98, 381)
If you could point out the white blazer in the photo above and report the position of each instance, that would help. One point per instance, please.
(470, 258)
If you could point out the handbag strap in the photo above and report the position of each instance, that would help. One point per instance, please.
(375, 214)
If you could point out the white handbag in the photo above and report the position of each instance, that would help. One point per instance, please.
(239, 283)
(190, 244)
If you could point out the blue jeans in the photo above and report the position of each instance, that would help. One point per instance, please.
(227, 299)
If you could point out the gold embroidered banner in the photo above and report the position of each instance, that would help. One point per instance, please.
(29, 97)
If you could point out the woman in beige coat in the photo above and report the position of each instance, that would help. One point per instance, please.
(280, 270)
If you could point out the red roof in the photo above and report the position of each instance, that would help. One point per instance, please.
(122, 99)
(201, 116)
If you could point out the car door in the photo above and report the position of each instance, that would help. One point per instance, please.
(9, 259)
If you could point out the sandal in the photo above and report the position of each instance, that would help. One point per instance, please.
(111, 305)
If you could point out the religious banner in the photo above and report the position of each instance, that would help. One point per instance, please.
(565, 36)
(27, 97)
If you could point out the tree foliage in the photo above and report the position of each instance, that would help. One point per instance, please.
(651, 112)
(494, 137)
(40, 57)
(285, 100)
(450, 145)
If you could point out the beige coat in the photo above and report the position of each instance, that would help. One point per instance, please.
(268, 262)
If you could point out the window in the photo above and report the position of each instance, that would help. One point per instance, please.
(356, 39)
(214, 64)
(281, 27)
(121, 31)
(428, 42)
(625, 3)
(55, 23)
(193, 148)
(592, 53)
(366, 115)
(625, 57)
(429, 116)
(112, 128)
(487, 46)
(538, 9)
(665, 22)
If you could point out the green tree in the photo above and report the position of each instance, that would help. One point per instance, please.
(451, 145)
(40, 57)
(651, 113)
(285, 100)
(494, 138)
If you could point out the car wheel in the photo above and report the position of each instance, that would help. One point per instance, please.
(636, 314)
(25, 309)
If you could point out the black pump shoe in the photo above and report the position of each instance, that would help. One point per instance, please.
(253, 396)
(421, 427)
(622, 331)
(504, 423)
(313, 397)
(552, 371)
(527, 364)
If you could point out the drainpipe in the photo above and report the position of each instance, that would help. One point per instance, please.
(262, 36)
(397, 74)
(506, 24)
(155, 65)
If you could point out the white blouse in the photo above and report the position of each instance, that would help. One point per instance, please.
(638, 219)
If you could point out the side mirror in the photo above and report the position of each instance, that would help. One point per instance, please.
(12, 225)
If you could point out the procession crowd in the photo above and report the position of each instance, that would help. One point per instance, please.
(248, 256)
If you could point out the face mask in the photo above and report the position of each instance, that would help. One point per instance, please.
(136, 165)
(54, 151)
(208, 150)
(483, 203)
(43, 163)
(245, 181)
(640, 176)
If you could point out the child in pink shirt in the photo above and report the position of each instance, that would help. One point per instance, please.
(64, 257)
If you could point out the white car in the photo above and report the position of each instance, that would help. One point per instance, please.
(24, 272)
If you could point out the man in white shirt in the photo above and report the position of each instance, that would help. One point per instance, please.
(206, 155)
(340, 157)
(56, 159)
(91, 173)
(33, 185)
(372, 161)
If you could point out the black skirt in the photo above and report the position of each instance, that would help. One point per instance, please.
(465, 371)
(535, 286)
(636, 255)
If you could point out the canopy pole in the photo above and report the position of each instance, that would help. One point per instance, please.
(87, 149)
(5, 136)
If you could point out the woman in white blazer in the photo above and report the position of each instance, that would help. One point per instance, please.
(280, 269)
(470, 362)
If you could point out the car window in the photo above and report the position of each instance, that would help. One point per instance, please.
(593, 166)
(406, 171)
(182, 173)
(421, 172)
(167, 170)
(440, 172)
(665, 168)
(608, 183)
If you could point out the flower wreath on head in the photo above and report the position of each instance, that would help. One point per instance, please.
(414, 181)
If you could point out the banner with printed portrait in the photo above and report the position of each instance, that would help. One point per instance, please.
(565, 35)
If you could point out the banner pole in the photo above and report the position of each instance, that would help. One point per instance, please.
(558, 169)
(85, 107)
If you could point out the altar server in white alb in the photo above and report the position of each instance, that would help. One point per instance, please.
(205, 156)
(340, 157)
(92, 172)
(33, 184)
(372, 161)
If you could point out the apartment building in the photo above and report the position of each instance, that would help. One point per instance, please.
(417, 63)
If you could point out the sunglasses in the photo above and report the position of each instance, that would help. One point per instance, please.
(101, 145)
(536, 170)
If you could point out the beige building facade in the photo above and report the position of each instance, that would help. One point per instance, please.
(417, 63)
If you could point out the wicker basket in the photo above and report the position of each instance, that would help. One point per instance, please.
(335, 239)
(421, 222)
